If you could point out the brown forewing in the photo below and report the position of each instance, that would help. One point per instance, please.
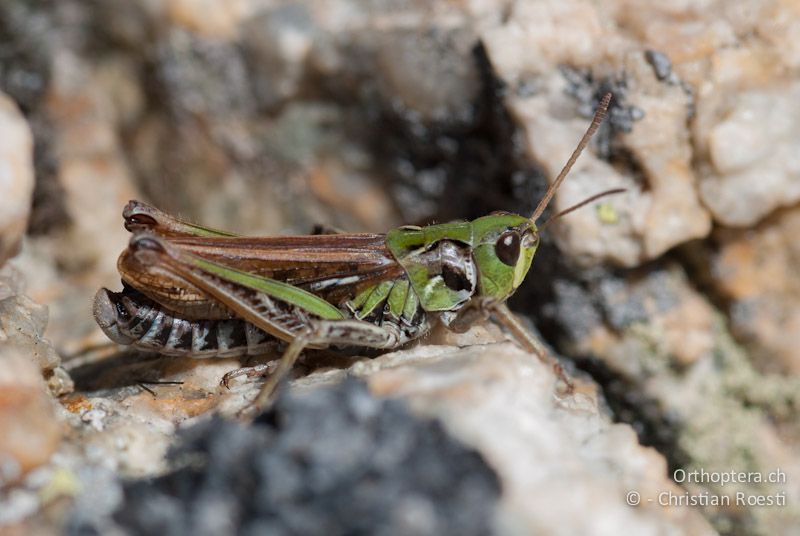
(334, 267)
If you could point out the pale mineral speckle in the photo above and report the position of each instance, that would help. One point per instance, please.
(94, 418)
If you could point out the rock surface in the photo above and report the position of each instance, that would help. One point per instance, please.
(22, 326)
(64, 268)
(332, 461)
(755, 271)
(650, 113)
(30, 373)
(701, 398)
(16, 177)
(31, 432)
(554, 454)
(268, 117)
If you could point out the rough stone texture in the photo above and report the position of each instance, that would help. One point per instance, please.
(746, 102)
(555, 455)
(332, 461)
(753, 153)
(739, 61)
(737, 92)
(654, 145)
(31, 432)
(699, 397)
(29, 373)
(266, 117)
(22, 326)
(16, 177)
(755, 271)
(64, 268)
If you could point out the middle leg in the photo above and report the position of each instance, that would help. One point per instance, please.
(326, 333)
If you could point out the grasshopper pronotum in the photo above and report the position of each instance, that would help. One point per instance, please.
(191, 290)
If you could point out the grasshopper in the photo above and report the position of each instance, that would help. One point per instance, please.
(192, 290)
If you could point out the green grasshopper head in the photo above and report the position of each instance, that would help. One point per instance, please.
(504, 248)
(505, 243)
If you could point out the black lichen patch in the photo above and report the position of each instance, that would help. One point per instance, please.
(662, 65)
(589, 91)
(332, 461)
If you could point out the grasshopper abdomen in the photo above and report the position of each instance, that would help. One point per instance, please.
(130, 318)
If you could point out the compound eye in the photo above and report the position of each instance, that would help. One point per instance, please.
(507, 248)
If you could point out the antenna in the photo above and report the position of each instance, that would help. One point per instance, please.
(595, 197)
(598, 118)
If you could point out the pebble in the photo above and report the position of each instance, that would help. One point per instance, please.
(753, 151)
(16, 177)
(22, 327)
(31, 431)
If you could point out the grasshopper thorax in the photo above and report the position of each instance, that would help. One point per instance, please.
(450, 264)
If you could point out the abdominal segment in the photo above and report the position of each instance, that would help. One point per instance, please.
(130, 318)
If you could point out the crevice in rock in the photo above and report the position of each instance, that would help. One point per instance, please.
(462, 170)
(629, 404)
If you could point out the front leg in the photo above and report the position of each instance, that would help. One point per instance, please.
(466, 317)
(482, 310)
(503, 316)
